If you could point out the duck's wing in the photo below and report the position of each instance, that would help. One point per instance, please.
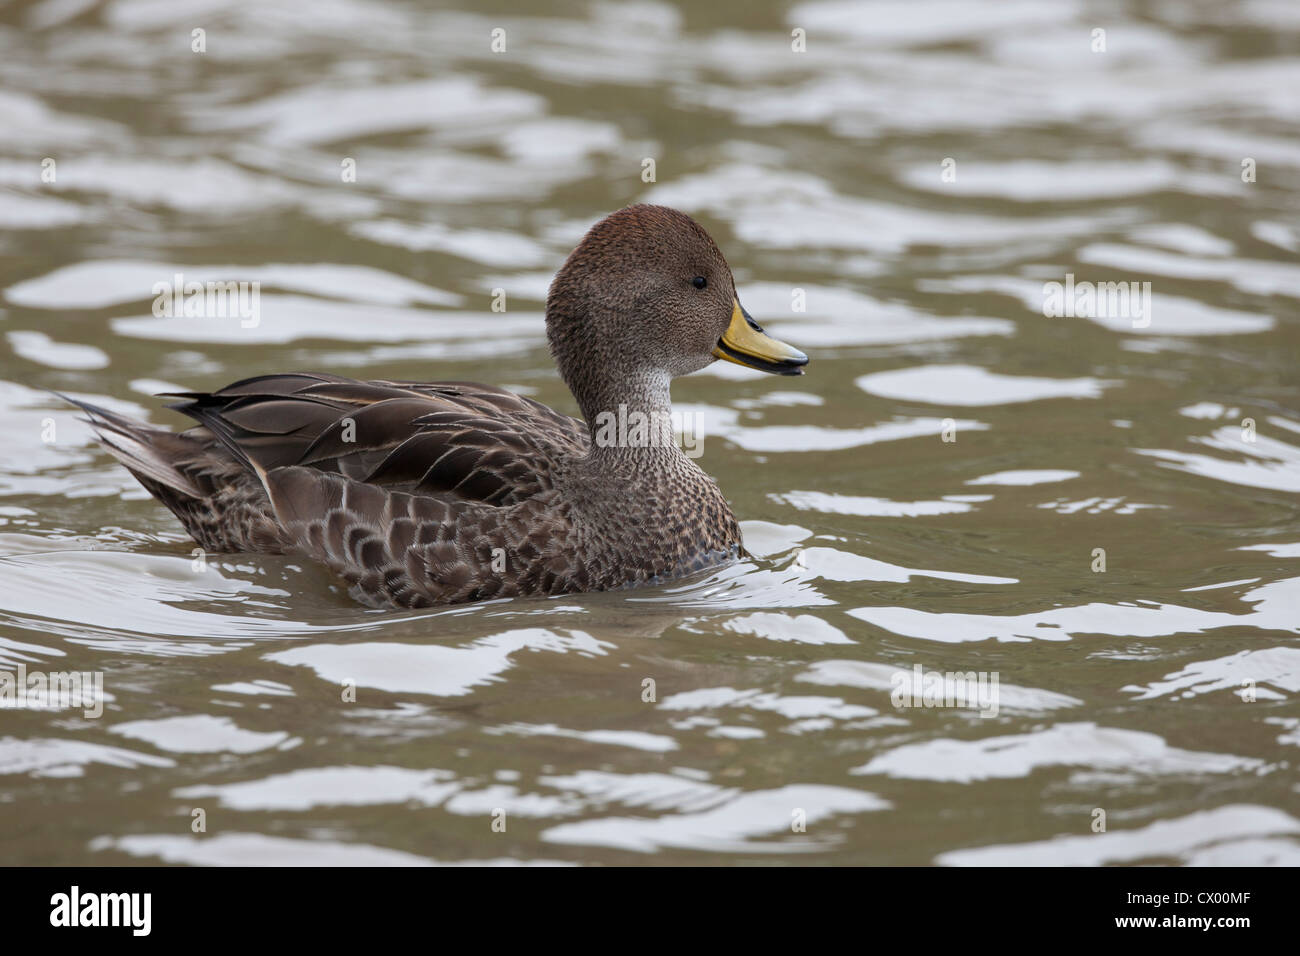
(453, 441)
(416, 494)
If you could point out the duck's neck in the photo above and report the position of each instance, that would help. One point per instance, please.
(629, 418)
(637, 500)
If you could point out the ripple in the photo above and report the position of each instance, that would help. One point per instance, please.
(54, 757)
(885, 677)
(255, 849)
(289, 318)
(40, 348)
(1180, 237)
(1032, 181)
(1025, 477)
(774, 209)
(1276, 667)
(835, 565)
(320, 114)
(40, 212)
(839, 317)
(1237, 835)
(729, 828)
(636, 739)
(1269, 462)
(877, 507)
(479, 245)
(199, 734)
(1274, 610)
(433, 670)
(1252, 276)
(108, 282)
(968, 385)
(1169, 314)
(792, 708)
(142, 596)
(896, 23)
(794, 438)
(795, 628)
(28, 459)
(300, 790)
(1072, 745)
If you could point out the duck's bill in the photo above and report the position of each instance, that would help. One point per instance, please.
(745, 343)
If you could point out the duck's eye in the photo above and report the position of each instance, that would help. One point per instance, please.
(699, 282)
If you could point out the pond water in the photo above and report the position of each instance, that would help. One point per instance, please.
(1097, 511)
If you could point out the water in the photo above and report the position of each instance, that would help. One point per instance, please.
(878, 546)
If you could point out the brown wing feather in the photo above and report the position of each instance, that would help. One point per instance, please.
(454, 439)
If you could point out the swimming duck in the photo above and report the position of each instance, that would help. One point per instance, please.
(423, 494)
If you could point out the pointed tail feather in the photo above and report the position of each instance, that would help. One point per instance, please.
(146, 451)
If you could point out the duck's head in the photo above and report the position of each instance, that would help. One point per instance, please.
(647, 296)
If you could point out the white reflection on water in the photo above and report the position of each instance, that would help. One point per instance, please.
(1270, 674)
(255, 849)
(39, 347)
(878, 507)
(181, 602)
(730, 828)
(1075, 745)
(883, 677)
(1247, 275)
(59, 757)
(287, 318)
(1170, 314)
(966, 385)
(107, 282)
(436, 670)
(1270, 462)
(636, 739)
(200, 734)
(792, 708)
(1274, 609)
(1025, 476)
(1235, 835)
(331, 787)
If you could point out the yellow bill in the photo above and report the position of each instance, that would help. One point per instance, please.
(745, 343)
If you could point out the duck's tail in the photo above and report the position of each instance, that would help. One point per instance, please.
(221, 503)
(153, 455)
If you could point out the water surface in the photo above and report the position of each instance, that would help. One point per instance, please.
(745, 716)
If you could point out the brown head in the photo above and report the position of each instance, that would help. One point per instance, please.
(645, 297)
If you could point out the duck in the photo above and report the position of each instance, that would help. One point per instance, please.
(422, 494)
